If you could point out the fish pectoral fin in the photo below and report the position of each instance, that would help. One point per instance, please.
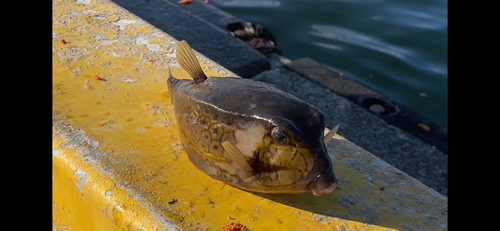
(329, 135)
(252, 178)
(188, 61)
(245, 171)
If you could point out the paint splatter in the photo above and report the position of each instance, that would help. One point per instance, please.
(424, 126)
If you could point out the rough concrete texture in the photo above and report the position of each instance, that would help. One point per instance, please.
(179, 22)
(394, 114)
(342, 86)
(396, 147)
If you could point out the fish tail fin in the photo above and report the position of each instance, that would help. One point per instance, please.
(188, 61)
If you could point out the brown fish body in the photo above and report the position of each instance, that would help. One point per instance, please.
(251, 135)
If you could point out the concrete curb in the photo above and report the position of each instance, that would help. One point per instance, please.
(118, 163)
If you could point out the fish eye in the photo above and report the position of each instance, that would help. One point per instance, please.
(279, 137)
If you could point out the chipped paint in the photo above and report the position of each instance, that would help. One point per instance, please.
(122, 23)
(82, 2)
(56, 152)
(83, 178)
(151, 46)
(109, 193)
(118, 161)
(107, 42)
(369, 179)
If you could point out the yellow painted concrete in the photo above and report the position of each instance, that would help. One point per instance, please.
(118, 161)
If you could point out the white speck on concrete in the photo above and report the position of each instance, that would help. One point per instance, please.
(140, 40)
(369, 179)
(115, 54)
(97, 17)
(82, 2)
(109, 193)
(153, 47)
(56, 152)
(71, 13)
(89, 11)
(442, 225)
(83, 178)
(107, 42)
(128, 79)
(122, 23)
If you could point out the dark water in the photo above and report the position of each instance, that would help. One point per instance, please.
(397, 48)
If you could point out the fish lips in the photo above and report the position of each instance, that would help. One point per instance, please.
(324, 183)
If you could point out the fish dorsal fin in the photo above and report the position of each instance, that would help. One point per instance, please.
(188, 61)
(330, 134)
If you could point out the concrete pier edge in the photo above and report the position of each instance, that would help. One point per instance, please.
(118, 163)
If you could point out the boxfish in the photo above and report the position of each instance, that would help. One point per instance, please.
(250, 134)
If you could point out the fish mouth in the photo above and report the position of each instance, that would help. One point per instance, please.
(324, 183)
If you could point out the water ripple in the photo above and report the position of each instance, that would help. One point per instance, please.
(359, 39)
(408, 56)
(328, 46)
(414, 18)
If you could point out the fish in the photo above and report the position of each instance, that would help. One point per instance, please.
(250, 134)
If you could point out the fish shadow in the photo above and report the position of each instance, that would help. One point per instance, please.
(323, 208)
(326, 205)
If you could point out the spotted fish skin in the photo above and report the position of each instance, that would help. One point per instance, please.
(277, 138)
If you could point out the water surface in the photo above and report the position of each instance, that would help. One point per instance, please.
(397, 48)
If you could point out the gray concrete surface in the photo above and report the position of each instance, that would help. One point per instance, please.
(391, 112)
(203, 26)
